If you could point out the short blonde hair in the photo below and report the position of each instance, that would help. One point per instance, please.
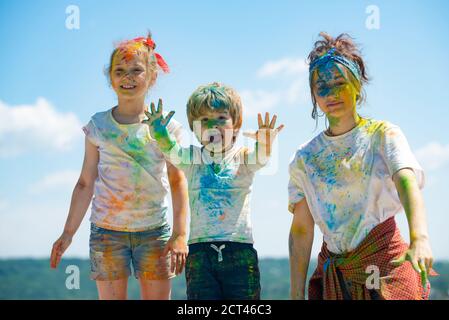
(214, 97)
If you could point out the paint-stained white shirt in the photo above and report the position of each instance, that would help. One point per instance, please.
(131, 188)
(219, 193)
(347, 180)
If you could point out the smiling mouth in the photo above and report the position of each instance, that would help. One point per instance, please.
(127, 87)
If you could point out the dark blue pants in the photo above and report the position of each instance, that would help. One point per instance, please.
(227, 271)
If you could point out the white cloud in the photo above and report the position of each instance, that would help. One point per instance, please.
(3, 205)
(30, 228)
(291, 86)
(298, 91)
(286, 66)
(27, 128)
(255, 101)
(433, 156)
(56, 180)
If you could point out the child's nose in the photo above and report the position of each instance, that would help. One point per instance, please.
(337, 94)
(127, 75)
(333, 93)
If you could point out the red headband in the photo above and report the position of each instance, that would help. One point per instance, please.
(150, 43)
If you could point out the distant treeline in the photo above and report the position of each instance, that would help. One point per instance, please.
(33, 279)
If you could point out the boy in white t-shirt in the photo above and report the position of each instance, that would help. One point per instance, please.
(222, 263)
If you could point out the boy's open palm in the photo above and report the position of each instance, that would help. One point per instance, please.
(156, 120)
(267, 131)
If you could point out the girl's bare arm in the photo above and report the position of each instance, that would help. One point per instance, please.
(300, 245)
(419, 252)
(178, 241)
(81, 197)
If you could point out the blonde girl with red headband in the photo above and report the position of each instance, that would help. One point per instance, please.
(126, 175)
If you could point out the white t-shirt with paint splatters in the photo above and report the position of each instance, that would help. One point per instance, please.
(130, 192)
(219, 192)
(347, 180)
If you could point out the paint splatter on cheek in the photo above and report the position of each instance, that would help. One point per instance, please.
(332, 80)
(348, 93)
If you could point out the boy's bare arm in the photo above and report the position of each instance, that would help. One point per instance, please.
(300, 245)
(81, 197)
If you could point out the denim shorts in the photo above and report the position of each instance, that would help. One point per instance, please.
(113, 252)
(222, 271)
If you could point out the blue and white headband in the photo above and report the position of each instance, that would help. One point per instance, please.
(331, 55)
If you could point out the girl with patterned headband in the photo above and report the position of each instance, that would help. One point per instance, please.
(351, 180)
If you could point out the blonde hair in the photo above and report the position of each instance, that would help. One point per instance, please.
(130, 48)
(214, 97)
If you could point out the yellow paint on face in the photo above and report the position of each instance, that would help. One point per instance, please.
(336, 85)
(133, 71)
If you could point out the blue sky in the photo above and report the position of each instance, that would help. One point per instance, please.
(52, 82)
